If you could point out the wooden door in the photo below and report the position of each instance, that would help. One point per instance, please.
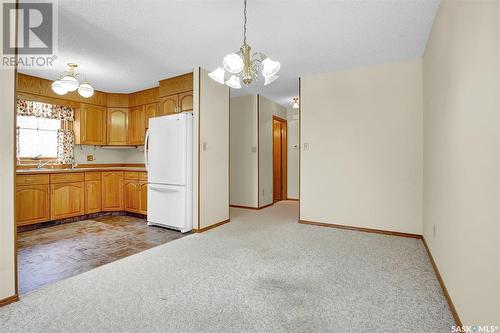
(143, 190)
(93, 195)
(67, 200)
(117, 127)
(151, 111)
(169, 105)
(279, 159)
(186, 101)
(136, 125)
(132, 196)
(32, 204)
(112, 191)
(92, 124)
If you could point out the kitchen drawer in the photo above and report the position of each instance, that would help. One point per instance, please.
(131, 175)
(93, 175)
(143, 176)
(32, 179)
(68, 177)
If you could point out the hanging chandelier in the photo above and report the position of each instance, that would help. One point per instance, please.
(243, 67)
(67, 83)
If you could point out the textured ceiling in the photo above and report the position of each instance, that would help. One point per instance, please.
(129, 45)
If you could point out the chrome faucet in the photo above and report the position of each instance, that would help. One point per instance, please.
(41, 164)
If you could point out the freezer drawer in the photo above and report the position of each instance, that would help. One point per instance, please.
(168, 207)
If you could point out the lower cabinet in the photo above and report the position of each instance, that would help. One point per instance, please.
(93, 194)
(67, 200)
(74, 194)
(112, 191)
(32, 204)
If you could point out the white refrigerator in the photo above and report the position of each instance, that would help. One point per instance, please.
(169, 162)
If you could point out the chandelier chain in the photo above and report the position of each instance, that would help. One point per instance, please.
(245, 22)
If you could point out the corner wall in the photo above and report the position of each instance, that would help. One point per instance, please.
(361, 158)
(462, 155)
(7, 239)
(213, 115)
(244, 157)
(293, 153)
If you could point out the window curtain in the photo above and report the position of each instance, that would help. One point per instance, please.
(65, 136)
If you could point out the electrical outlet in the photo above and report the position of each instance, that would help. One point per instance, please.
(254, 149)
(262, 192)
(90, 157)
(434, 230)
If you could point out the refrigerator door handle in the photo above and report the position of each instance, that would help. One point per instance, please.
(146, 158)
(162, 189)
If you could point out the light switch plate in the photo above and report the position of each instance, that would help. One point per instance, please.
(90, 157)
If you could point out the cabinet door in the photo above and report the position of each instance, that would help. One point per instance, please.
(117, 125)
(186, 101)
(92, 125)
(112, 191)
(92, 196)
(143, 190)
(131, 193)
(169, 105)
(67, 200)
(32, 204)
(136, 125)
(151, 111)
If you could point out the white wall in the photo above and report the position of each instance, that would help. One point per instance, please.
(244, 169)
(7, 246)
(293, 153)
(109, 155)
(462, 155)
(267, 109)
(214, 152)
(364, 163)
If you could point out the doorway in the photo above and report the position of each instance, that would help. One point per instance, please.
(279, 159)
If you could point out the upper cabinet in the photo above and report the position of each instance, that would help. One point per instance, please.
(90, 125)
(169, 105)
(117, 127)
(176, 94)
(136, 125)
(186, 101)
(151, 111)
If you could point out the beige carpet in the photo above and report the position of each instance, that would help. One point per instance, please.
(263, 272)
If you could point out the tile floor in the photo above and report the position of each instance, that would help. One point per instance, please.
(51, 254)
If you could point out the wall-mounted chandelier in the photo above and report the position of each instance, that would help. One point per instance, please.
(68, 82)
(243, 67)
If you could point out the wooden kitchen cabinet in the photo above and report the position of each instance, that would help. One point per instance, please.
(112, 191)
(117, 127)
(150, 112)
(186, 101)
(90, 125)
(143, 198)
(136, 125)
(93, 195)
(168, 105)
(132, 196)
(32, 204)
(67, 200)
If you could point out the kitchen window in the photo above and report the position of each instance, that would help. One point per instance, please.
(37, 137)
(44, 131)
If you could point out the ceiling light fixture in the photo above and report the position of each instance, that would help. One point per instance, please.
(68, 82)
(295, 104)
(242, 67)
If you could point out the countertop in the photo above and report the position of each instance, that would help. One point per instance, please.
(86, 169)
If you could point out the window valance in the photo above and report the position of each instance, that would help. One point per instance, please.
(44, 110)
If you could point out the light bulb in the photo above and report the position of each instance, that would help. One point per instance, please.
(85, 90)
(69, 83)
(270, 67)
(217, 75)
(234, 82)
(233, 63)
(58, 88)
(270, 79)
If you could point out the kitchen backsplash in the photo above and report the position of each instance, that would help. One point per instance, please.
(108, 155)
